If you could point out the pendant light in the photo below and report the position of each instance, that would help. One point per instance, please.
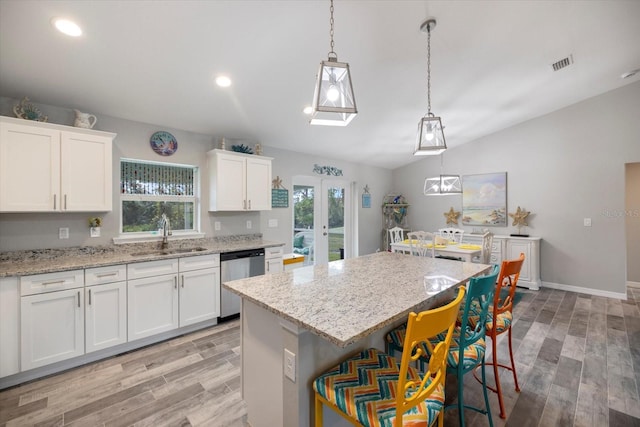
(430, 140)
(333, 100)
(442, 185)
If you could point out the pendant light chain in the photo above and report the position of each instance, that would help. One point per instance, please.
(331, 31)
(428, 69)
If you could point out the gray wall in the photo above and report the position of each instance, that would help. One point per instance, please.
(563, 167)
(632, 219)
(40, 230)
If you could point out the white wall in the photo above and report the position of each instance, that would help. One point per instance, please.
(563, 167)
(40, 230)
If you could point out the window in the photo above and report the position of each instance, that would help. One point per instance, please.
(147, 190)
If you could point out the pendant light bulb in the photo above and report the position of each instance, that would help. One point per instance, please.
(333, 93)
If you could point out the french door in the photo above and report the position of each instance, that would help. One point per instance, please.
(322, 214)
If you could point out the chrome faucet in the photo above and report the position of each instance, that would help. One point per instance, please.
(166, 231)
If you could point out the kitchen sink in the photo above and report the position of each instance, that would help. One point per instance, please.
(169, 251)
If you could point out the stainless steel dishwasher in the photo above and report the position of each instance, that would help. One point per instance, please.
(237, 265)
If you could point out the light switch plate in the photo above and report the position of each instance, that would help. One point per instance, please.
(217, 225)
(273, 223)
(587, 222)
(248, 225)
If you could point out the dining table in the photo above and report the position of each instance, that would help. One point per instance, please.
(464, 251)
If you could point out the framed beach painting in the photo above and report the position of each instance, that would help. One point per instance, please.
(484, 199)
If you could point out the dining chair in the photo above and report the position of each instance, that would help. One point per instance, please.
(452, 234)
(467, 350)
(499, 321)
(371, 389)
(395, 235)
(487, 245)
(421, 243)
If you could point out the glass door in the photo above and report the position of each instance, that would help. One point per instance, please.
(322, 220)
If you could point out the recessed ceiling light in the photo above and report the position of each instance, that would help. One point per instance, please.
(67, 27)
(223, 81)
(630, 73)
(308, 110)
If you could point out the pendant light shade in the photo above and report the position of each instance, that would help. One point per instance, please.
(430, 140)
(442, 185)
(333, 100)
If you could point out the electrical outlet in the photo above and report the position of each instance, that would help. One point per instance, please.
(217, 225)
(63, 233)
(587, 222)
(273, 223)
(94, 232)
(248, 225)
(290, 365)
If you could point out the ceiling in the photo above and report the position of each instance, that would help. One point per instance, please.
(155, 62)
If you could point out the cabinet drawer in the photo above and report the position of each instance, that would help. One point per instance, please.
(152, 268)
(109, 274)
(49, 282)
(273, 252)
(199, 262)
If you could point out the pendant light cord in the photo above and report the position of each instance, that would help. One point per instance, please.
(428, 68)
(331, 32)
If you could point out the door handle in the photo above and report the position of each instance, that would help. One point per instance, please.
(183, 281)
(175, 282)
(249, 204)
(89, 296)
(244, 204)
(65, 202)
(54, 201)
(324, 234)
(78, 298)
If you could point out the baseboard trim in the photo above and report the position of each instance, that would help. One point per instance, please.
(590, 291)
(631, 284)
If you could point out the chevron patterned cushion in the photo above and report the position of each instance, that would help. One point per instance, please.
(473, 353)
(502, 324)
(364, 387)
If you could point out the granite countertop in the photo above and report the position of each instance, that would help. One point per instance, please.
(347, 300)
(27, 262)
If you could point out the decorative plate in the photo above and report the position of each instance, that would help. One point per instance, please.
(164, 143)
(28, 111)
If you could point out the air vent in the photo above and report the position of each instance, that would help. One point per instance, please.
(564, 62)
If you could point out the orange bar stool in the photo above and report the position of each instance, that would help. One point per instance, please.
(370, 389)
(499, 321)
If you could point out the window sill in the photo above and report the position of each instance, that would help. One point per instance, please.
(120, 240)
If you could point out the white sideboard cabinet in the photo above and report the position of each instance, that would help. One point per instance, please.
(510, 247)
(47, 167)
(239, 182)
(273, 260)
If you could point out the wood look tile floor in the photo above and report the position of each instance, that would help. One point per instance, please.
(577, 356)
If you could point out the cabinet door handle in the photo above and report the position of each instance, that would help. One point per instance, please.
(175, 282)
(249, 204)
(65, 202)
(54, 201)
(244, 204)
(183, 281)
(52, 283)
(89, 296)
(78, 298)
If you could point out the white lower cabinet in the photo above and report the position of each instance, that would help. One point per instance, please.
(52, 327)
(273, 260)
(106, 316)
(9, 326)
(152, 305)
(199, 295)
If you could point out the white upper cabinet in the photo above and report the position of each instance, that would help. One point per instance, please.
(53, 168)
(239, 182)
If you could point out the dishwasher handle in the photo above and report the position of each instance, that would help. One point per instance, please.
(229, 256)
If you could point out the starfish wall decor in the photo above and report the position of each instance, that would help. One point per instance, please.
(519, 218)
(452, 216)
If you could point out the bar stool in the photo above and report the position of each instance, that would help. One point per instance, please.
(371, 389)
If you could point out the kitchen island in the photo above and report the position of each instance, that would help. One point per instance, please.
(315, 316)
